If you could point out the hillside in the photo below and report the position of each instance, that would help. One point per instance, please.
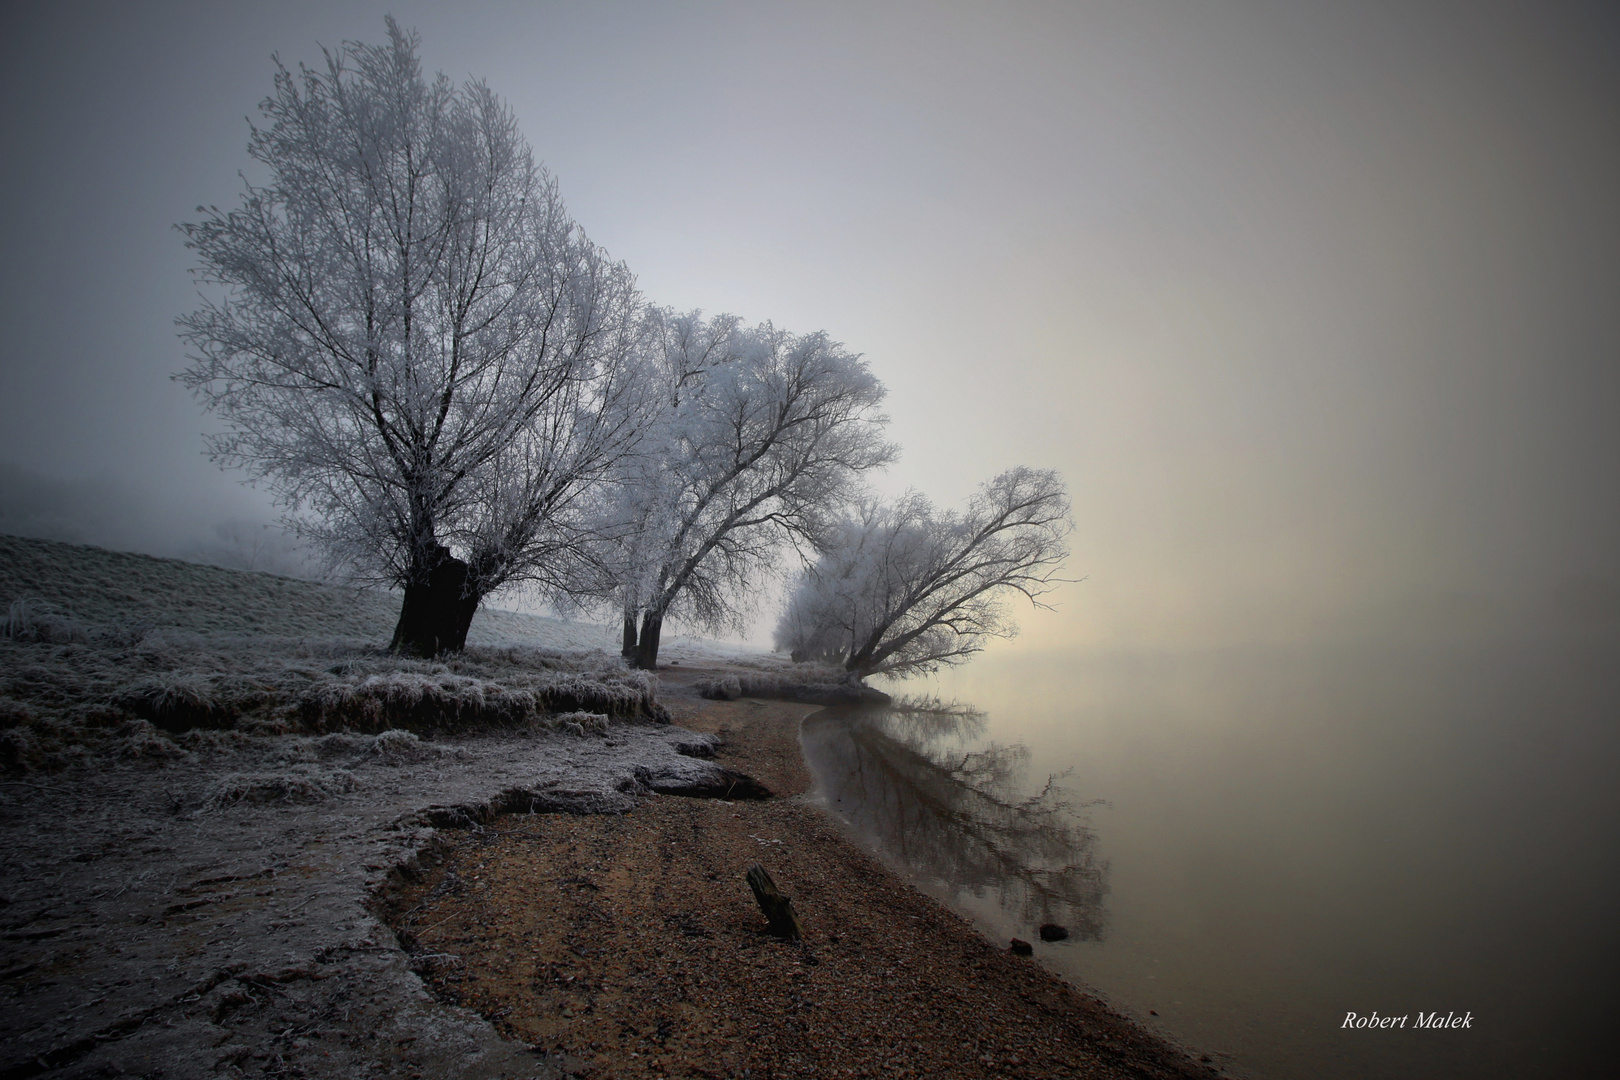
(106, 653)
(111, 588)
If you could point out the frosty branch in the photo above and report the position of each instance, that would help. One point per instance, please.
(408, 338)
(905, 589)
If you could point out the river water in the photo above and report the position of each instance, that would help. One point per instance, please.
(1249, 844)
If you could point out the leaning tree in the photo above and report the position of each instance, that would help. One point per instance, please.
(905, 589)
(407, 337)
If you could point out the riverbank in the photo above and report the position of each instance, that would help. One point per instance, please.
(629, 945)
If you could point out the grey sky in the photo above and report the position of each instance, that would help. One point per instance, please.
(1317, 308)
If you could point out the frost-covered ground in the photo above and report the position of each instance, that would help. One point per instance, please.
(209, 785)
(103, 653)
(214, 914)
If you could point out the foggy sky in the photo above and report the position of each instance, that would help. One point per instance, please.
(1317, 309)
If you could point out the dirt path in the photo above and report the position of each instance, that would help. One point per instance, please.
(630, 946)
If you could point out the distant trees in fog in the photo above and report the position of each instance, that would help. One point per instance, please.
(452, 390)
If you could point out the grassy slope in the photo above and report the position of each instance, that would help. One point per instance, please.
(99, 586)
(109, 587)
(98, 646)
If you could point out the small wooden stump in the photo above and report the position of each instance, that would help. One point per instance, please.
(778, 909)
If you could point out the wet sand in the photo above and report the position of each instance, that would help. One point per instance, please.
(630, 945)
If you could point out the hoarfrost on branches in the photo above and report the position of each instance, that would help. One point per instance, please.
(408, 338)
(906, 589)
(762, 436)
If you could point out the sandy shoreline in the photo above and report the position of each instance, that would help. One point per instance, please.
(628, 945)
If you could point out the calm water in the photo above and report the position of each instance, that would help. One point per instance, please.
(1283, 837)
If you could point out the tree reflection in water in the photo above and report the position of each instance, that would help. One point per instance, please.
(956, 815)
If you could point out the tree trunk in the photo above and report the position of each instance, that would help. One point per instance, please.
(647, 648)
(458, 619)
(437, 612)
(629, 649)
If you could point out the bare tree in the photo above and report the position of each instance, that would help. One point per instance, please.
(408, 338)
(761, 436)
(904, 589)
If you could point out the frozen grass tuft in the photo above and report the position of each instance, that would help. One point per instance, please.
(300, 784)
(97, 693)
(89, 691)
(37, 621)
(721, 688)
(397, 747)
(139, 739)
(773, 677)
(581, 723)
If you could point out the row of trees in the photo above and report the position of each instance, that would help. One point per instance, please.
(453, 391)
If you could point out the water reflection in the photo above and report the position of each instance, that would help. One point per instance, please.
(913, 783)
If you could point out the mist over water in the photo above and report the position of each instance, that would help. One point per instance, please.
(1291, 834)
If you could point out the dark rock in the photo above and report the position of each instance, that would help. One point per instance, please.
(723, 784)
(1021, 947)
(1053, 932)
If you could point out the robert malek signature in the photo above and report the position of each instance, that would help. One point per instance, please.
(1424, 1020)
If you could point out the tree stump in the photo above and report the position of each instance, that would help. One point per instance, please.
(778, 909)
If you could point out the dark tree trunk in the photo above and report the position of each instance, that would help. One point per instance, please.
(629, 649)
(458, 619)
(647, 648)
(437, 612)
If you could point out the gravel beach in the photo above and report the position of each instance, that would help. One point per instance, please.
(628, 945)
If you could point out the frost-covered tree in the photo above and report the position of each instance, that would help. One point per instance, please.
(904, 589)
(760, 438)
(677, 350)
(407, 337)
